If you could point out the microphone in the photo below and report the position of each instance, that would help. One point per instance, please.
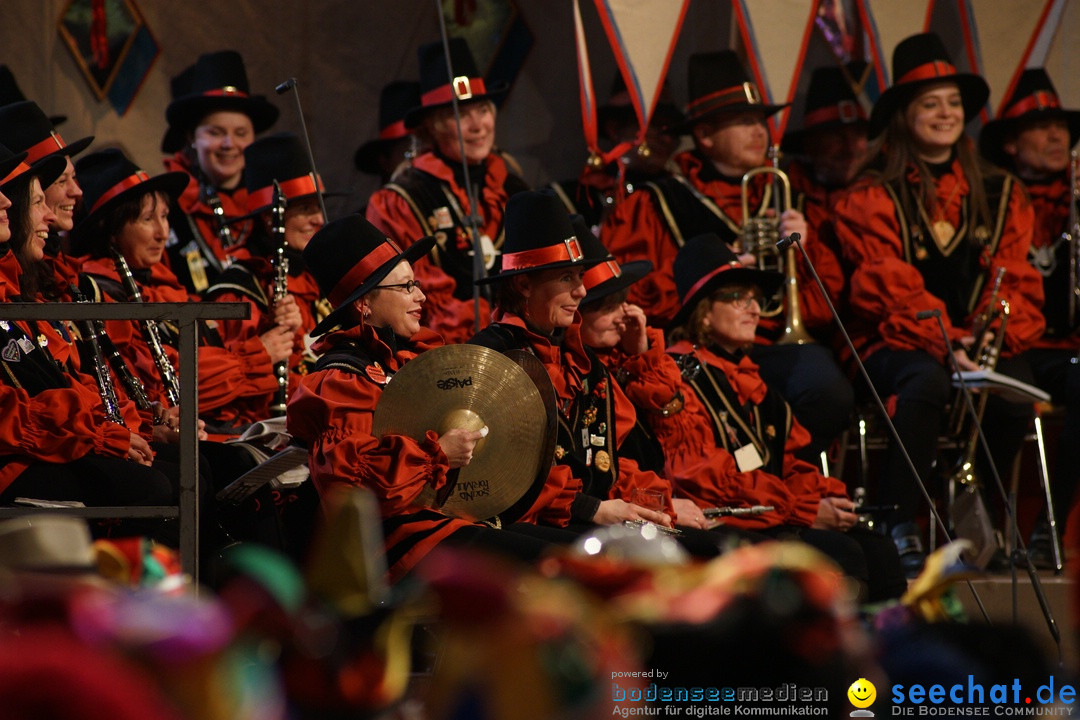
(1010, 512)
(281, 89)
(785, 242)
(794, 239)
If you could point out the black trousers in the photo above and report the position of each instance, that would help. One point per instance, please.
(923, 389)
(102, 480)
(865, 556)
(820, 395)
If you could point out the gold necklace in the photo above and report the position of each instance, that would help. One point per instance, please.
(941, 229)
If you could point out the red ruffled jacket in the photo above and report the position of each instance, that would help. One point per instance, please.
(567, 365)
(887, 291)
(56, 425)
(390, 212)
(709, 475)
(302, 286)
(1050, 202)
(332, 412)
(191, 203)
(236, 384)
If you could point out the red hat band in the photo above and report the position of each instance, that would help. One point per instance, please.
(49, 145)
(570, 249)
(928, 71)
(845, 111)
(355, 277)
(737, 95)
(607, 270)
(1039, 100)
(464, 88)
(127, 183)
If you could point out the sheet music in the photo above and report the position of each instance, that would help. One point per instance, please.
(1010, 388)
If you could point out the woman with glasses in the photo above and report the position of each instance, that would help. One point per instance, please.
(372, 332)
(732, 443)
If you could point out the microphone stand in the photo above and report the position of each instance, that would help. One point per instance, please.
(281, 89)
(1033, 575)
(793, 239)
(478, 269)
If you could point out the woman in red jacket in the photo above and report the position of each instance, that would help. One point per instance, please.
(373, 330)
(540, 285)
(58, 440)
(126, 216)
(731, 442)
(930, 227)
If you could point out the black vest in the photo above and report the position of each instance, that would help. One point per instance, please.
(766, 426)
(425, 194)
(953, 274)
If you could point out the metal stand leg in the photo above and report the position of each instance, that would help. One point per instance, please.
(1044, 477)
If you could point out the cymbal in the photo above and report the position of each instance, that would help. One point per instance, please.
(470, 386)
(538, 374)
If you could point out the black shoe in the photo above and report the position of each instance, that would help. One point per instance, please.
(1041, 547)
(908, 541)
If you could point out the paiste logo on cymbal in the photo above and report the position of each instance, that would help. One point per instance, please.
(454, 383)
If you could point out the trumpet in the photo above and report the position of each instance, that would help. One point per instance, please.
(759, 237)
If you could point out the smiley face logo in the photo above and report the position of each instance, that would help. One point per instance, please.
(862, 693)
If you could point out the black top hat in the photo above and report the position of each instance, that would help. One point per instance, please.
(216, 82)
(348, 258)
(436, 88)
(538, 236)
(280, 157)
(10, 93)
(395, 100)
(918, 61)
(666, 115)
(9, 164)
(1033, 99)
(830, 103)
(607, 276)
(705, 263)
(15, 170)
(24, 126)
(108, 179)
(719, 84)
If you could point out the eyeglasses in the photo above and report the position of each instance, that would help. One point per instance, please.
(407, 287)
(741, 298)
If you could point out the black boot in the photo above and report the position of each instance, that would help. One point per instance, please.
(908, 540)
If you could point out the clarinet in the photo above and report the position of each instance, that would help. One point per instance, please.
(149, 331)
(131, 383)
(210, 197)
(280, 263)
(91, 333)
